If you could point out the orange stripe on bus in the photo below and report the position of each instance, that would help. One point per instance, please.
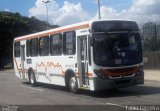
(52, 32)
(117, 72)
(49, 65)
(89, 74)
(16, 64)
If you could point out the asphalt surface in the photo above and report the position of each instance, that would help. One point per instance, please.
(14, 91)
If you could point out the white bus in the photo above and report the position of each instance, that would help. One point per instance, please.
(95, 55)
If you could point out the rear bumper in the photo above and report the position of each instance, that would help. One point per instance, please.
(101, 84)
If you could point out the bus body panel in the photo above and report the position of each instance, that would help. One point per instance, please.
(52, 69)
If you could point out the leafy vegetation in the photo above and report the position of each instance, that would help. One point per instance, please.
(13, 25)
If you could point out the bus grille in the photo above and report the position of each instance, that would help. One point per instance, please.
(120, 72)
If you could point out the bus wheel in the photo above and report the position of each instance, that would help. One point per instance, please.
(73, 84)
(32, 79)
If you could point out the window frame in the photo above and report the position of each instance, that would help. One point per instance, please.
(51, 37)
(15, 49)
(31, 48)
(48, 47)
(73, 43)
(28, 45)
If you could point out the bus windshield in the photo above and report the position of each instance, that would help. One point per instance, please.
(117, 49)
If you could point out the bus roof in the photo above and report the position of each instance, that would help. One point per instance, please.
(63, 29)
(54, 31)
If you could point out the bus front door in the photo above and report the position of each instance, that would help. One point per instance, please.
(82, 60)
(22, 53)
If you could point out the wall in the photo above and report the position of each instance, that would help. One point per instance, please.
(151, 60)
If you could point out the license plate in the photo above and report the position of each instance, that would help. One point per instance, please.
(118, 61)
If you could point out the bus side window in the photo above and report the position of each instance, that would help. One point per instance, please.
(17, 49)
(56, 44)
(44, 46)
(34, 47)
(69, 43)
(28, 48)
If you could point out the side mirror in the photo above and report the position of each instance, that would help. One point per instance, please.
(92, 41)
(130, 34)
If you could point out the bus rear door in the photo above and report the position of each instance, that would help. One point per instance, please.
(22, 54)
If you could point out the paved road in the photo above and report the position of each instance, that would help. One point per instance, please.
(18, 92)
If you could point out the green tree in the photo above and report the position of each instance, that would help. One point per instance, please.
(14, 25)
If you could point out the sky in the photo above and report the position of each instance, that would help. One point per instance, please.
(64, 12)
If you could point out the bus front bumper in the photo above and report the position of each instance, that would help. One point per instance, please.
(101, 84)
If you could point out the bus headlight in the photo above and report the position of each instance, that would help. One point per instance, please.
(140, 71)
(100, 74)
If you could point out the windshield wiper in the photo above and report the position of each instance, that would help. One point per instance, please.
(99, 32)
(118, 32)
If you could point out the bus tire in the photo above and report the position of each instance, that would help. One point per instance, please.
(73, 84)
(32, 78)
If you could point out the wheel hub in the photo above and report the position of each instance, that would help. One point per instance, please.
(73, 82)
(32, 81)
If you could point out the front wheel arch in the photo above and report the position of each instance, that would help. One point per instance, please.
(69, 76)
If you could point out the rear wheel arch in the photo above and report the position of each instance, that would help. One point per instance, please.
(29, 72)
(31, 76)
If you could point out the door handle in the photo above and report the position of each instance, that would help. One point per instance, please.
(70, 57)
